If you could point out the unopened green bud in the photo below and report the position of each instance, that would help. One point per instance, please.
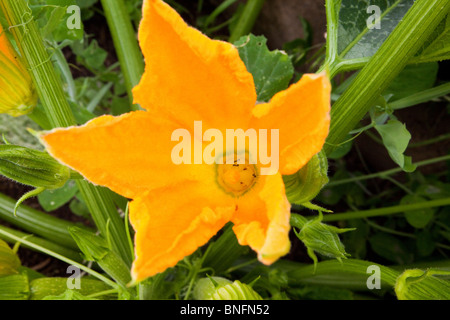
(304, 185)
(32, 167)
(416, 284)
(320, 237)
(217, 288)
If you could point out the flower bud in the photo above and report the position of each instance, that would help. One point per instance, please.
(17, 93)
(416, 284)
(32, 167)
(320, 237)
(304, 185)
(217, 288)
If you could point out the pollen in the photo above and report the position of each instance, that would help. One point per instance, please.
(238, 177)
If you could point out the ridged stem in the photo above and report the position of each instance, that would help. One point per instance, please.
(59, 114)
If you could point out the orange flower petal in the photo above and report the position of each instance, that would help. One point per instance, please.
(130, 154)
(171, 223)
(262, 219)
(190, 76)
(6, 48)
(302, 135)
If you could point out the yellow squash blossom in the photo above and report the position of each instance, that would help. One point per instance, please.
(177, 208)
(17, 94)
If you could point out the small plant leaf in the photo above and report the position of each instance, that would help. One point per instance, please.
(396, 138)
(271, 70)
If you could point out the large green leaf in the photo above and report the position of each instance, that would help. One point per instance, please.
(271, 70)
(417, 218)
(355, 39)
(414, 78)
(438, 47)
(391, 248)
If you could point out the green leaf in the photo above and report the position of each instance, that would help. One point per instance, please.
(84, 4)
(424, 243)
(52, 17)
(9, 261)
(82, 115)
(355, 39)
(438, 48)
(391, 248)
(14, 287)
(396, 138)
(271, 70)
(434, 190)
(97, 249)
(53, 199)
(356, 241)
(93, 56)
(342, 149)
(417, 218)
(414, 78)
(79, 207)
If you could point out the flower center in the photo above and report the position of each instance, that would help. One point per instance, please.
(236, 178)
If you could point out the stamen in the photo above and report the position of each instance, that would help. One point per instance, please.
(236, 178)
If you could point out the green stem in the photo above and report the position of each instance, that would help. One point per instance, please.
(59, 257)
(125, 43)
(356, 270)
(331, 9)
(386, 211)
(50, 245)
(37, 222)
(383, 174)
(439, 138)
(66, 73)
(38, 62)
(247, 19)
(57, 109)
(401, 234)
(404, 41)
(421, 97)
(223, 252)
